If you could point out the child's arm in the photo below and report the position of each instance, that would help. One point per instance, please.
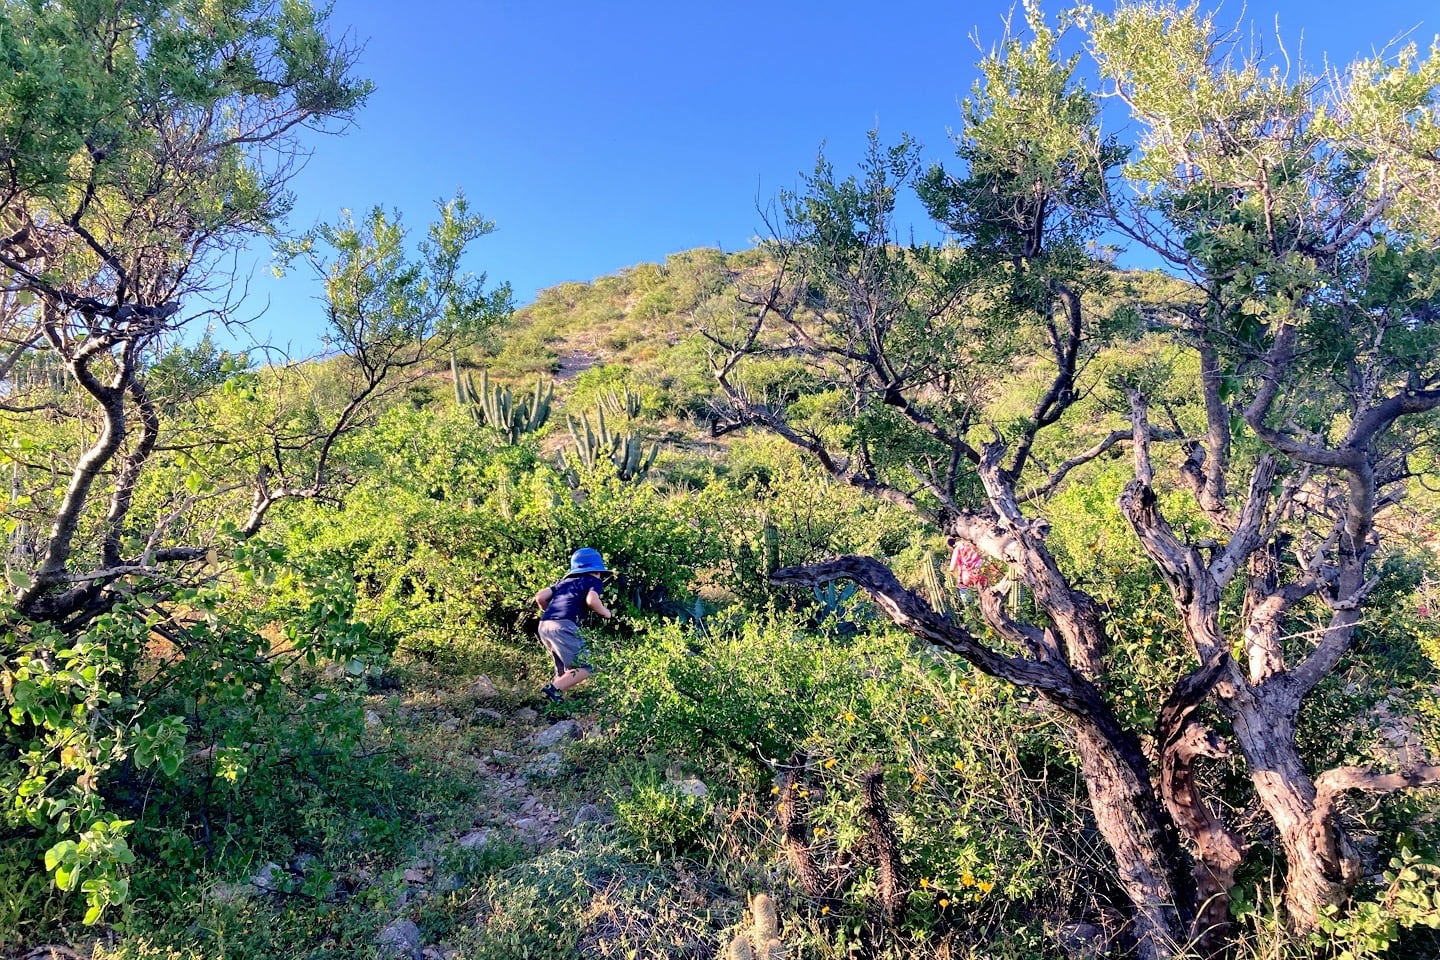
(542, 599)
(593, 601)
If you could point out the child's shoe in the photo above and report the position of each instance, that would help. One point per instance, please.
(551, 694)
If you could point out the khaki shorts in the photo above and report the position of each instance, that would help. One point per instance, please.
(567, 648)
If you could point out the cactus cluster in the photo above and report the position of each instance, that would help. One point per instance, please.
(762, 941)
(627, 451)
(499, 408)
(621, 405)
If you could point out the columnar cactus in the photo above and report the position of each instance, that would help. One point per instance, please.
(497, 407)
(932, 573)
(771, 535)
(623, 404)
(762, 941)
(626, 451)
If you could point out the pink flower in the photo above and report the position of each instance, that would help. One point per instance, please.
(967, 565)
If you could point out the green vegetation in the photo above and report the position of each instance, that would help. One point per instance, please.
(269, 672)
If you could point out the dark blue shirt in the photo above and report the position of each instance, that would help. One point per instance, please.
(567, 598)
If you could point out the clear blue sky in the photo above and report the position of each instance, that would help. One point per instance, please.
(602, 135)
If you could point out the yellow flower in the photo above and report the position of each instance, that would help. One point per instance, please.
(924, 883)
(820, 831)
(774, 790)
(967, 880)
(959, 764)
(824, 910)
(849, 717)
(829, 763)
(925, 719)
(986, 886)
(944, 902)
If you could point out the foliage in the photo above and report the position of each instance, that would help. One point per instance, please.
(1296, 338)
(662, 820)
(769, 695)
(453, 535)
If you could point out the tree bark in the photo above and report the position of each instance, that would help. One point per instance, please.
(1151, 864)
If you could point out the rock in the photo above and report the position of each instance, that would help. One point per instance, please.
(692, 787)
(230, 892)
(474, 840)
(449, 883)
(304, 862)
(502, 756)
(400, 939)
(1084, 941)
(450, 725)
(493, 716)
(269, 877)
(372, 719)
(482, 687)
(589, 813)
(526, 715)
(414, 875)
(547, 767)
(551, 735)
(525, 824)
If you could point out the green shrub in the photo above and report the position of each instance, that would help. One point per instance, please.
(662, 821)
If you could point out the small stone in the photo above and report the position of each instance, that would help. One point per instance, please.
(551, 735)
(304, 862)
(1081, 940)
(546, 767)
(526, 823)
(494, 716)
(589, 813)
(268, 876)
(474, 840)
(413, 875)
(400, 939)
(526, 715)
(451, 725)
(372, 719)
(483, 687)
(230, 892)
(692, 787)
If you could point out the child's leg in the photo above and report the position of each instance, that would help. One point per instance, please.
(568, 679)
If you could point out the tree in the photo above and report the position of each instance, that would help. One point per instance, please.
(141, 143)
(1305, 255)
(1305, 212)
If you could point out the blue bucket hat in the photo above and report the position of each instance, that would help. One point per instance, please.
(586, 560)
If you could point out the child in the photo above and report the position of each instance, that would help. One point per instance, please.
(562, 605)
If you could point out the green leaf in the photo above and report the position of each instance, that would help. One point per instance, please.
(19, 579)
(60, 853)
